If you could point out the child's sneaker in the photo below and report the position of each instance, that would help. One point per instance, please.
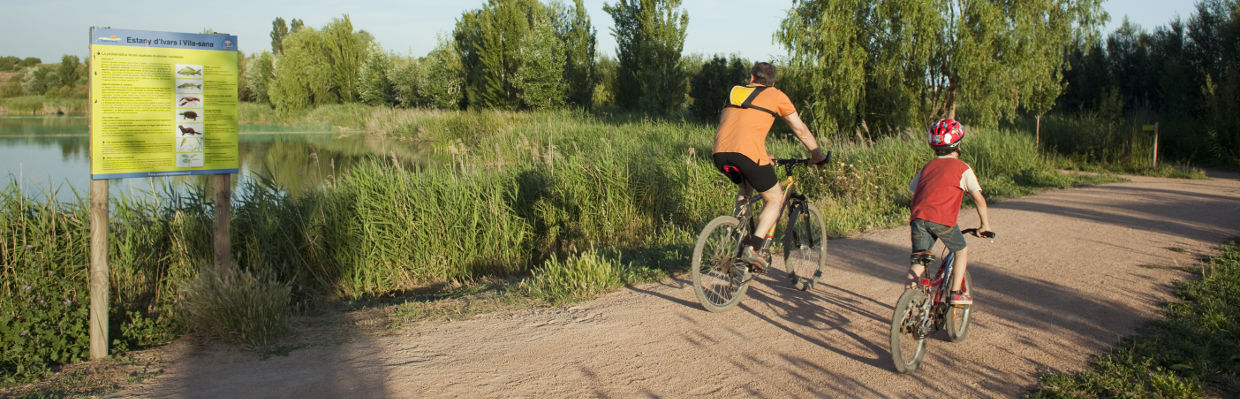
(961, 298)
(754, 258)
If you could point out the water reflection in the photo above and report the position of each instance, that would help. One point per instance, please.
(51, 154)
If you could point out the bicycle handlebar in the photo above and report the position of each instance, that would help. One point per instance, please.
(799, 161)
(990, 235)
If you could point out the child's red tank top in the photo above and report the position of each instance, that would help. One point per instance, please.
(938, 194)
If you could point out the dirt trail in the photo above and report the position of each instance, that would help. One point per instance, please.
(1071, 273)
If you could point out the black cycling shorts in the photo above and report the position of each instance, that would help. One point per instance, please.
(739, 168)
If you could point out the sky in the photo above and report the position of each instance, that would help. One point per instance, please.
(49, 29)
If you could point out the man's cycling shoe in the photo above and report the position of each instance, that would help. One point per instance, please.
(752, 257)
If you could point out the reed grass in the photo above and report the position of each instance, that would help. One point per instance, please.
(42, 105)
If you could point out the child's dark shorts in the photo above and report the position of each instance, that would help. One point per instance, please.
(925, 232)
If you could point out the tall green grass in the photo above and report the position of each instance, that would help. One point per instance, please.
(560, 199)
(41, 105)
(1190, 354)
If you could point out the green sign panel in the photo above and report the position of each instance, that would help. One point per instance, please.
(162, 103)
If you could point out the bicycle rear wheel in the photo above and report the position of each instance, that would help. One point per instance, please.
(958, 317)
(805, 247)
(717, 272)
(908, 331)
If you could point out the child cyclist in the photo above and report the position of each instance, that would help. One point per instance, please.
(937, 191)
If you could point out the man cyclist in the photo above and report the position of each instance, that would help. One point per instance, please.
(740, 148)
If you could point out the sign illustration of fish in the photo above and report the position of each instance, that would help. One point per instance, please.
(188, 85)
(189, 71)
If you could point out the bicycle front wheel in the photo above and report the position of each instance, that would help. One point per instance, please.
(958, 316)
(805, 247)
(909, 330)
(718, 274)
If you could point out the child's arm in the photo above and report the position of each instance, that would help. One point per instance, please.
(982, 211)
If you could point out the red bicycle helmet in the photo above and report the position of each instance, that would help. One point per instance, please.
(946, 133)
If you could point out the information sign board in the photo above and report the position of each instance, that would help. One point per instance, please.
(162, 103)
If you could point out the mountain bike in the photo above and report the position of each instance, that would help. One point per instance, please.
(924, 308)
(721, 277)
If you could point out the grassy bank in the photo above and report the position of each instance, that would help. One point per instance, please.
(41, 105)
(553, 206)
(1193, 353)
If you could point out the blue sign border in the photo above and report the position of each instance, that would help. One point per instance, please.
(109, 176)
(148, 38)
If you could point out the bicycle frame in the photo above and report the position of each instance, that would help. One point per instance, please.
(790, 193)
(942, 279)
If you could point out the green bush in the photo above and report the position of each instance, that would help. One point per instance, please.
(241, 307)
(579, 277)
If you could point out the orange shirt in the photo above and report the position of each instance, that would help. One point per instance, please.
(744, 130)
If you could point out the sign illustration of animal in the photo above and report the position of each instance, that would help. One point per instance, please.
(188, 131)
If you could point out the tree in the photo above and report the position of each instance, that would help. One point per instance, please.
(539, 80)
(38, 80)
(650, 35)
(319, 67)
(864, 62)
(580, 74)
(709, 87)
(1011, 49)
(374, 87)
(894, 63)
(296, 25)
(443, 82)
(258, 77)
(9, 63)
(29, 62)
(489, 41)
(71, 72)
(278, 32)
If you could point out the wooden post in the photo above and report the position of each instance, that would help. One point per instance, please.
(1037, 133)
(223, 215)
(98, 269)
(1155, 144)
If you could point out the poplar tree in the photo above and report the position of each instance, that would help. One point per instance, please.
(709, 87)
(493, 47)
(650, 36)
(579, 37)
(279, 30)
(538, 79)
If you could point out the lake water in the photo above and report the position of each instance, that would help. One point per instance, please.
(51, 155)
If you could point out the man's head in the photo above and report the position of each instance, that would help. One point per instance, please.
(763, 73)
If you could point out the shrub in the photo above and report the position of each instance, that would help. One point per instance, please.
(241, 307)
(579, 277)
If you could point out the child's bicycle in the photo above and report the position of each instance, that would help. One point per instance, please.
(924, 308)
(721, 277)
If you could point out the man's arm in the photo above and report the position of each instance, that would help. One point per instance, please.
(807, 139)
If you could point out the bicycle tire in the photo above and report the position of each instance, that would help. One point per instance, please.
(805, 247)
(717, 281)
(958, 317)
(907, 347)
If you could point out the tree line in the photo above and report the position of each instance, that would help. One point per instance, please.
(867, 68)
(66, 79)
(1184, 75)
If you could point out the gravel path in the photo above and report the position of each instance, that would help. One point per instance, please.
(1071, 273)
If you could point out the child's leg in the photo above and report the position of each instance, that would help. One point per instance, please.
(922, 241)
(961, 264)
